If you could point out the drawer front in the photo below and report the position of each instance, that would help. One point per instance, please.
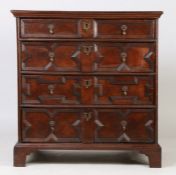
(93, 126)
(124, 90)
(88, 57)
(126, 29)
(41, 89)
(87, 28)
(124, 125)
(56, 28)
(100, 90)
(51, 125)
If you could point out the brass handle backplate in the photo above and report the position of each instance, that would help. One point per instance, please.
(124, 29)
(87, 116)
(87, 83)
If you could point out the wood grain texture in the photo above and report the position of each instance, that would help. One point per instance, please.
(106, 57)
(87, 28)
(73, 90)
(87, 81)
(88, 125)
(88, 14)
(21, 150)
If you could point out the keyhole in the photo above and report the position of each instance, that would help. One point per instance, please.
(87, 83)
(86, 26)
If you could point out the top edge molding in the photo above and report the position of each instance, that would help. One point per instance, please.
(87, 14)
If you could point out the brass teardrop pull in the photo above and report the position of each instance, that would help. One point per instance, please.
(125, 90)
(52, 123)
(51, 56)
(123, 124)
(51, 89)
(123, 56)
(124, 29)
(51, 28)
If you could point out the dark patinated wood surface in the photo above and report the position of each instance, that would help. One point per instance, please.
(88, 81)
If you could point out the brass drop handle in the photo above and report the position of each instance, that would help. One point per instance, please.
(123, 56)
(87, 116)
(51, 89)
(87, 83)
(51, 28)
(125, 90)
(123, 124)
(51, 56)
(86, 26)
(87, 49)
(52, 123)
(124, 29)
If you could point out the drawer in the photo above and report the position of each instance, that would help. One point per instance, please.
(88, 125)
(88, 90)
(124, 125)
(83, 28)
(88, 57)
(51, 125)
(56, 28)
(126, 29)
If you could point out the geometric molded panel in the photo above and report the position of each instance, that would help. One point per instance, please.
(51, 125)
(125, 126)
(124, 90)
(40, 89)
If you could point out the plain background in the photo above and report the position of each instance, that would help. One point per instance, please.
(167, 86)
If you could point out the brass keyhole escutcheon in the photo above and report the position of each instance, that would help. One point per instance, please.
(86, 26)
(124, 29)
(87, 116)
(87, 49)
(87, 83)
(51, 28)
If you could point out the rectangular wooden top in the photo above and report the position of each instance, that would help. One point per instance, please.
(88, 14)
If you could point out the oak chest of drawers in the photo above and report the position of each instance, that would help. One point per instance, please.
(87, 81)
